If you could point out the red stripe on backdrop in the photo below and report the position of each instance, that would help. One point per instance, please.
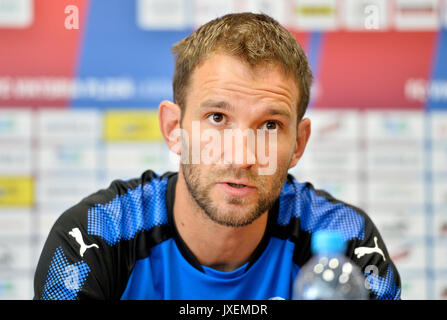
(303, 39)
(369, 70)
(44, 50)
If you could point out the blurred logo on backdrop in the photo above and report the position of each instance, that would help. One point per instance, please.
(417, 14)
(16, 191)
(131, 126)
(16, 13)
(315, 15)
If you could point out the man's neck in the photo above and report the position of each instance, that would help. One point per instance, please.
(217, 246)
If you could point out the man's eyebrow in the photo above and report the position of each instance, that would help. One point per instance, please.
(269, 111)
(216, 104)
(273, 111)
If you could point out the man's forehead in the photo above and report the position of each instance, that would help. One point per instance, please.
(255, 68)
(265, 71)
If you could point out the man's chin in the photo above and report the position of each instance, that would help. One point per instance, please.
(232, 222)
(234, 215)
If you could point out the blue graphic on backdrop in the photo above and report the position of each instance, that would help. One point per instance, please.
(436, 90)
(121, 65)
(314, 54)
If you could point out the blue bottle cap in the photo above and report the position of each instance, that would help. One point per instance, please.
(328, 242)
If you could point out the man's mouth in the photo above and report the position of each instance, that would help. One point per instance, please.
(237, 188)
(235, 185)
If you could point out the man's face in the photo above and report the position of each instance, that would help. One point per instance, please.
(226, 95)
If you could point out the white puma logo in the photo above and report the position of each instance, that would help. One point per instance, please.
(76, 233)
(361, 251)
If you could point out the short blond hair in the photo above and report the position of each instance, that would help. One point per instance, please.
(254, 38)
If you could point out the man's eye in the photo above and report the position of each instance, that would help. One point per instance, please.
(271, 126)
(216, 118)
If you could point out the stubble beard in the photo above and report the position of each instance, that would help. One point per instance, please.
(200, 192)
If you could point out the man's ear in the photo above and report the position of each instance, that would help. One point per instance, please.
(169, 115)
(301, 141)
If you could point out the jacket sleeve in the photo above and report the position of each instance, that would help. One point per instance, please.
(73, 264)
(371, 255)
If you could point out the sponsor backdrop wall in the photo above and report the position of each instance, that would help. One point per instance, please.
(80, 83)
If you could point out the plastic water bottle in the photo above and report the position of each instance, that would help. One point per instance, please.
(329, 274)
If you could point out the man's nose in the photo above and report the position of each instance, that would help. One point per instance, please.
(241, 153)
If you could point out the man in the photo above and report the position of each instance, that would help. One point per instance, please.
(225, 226)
